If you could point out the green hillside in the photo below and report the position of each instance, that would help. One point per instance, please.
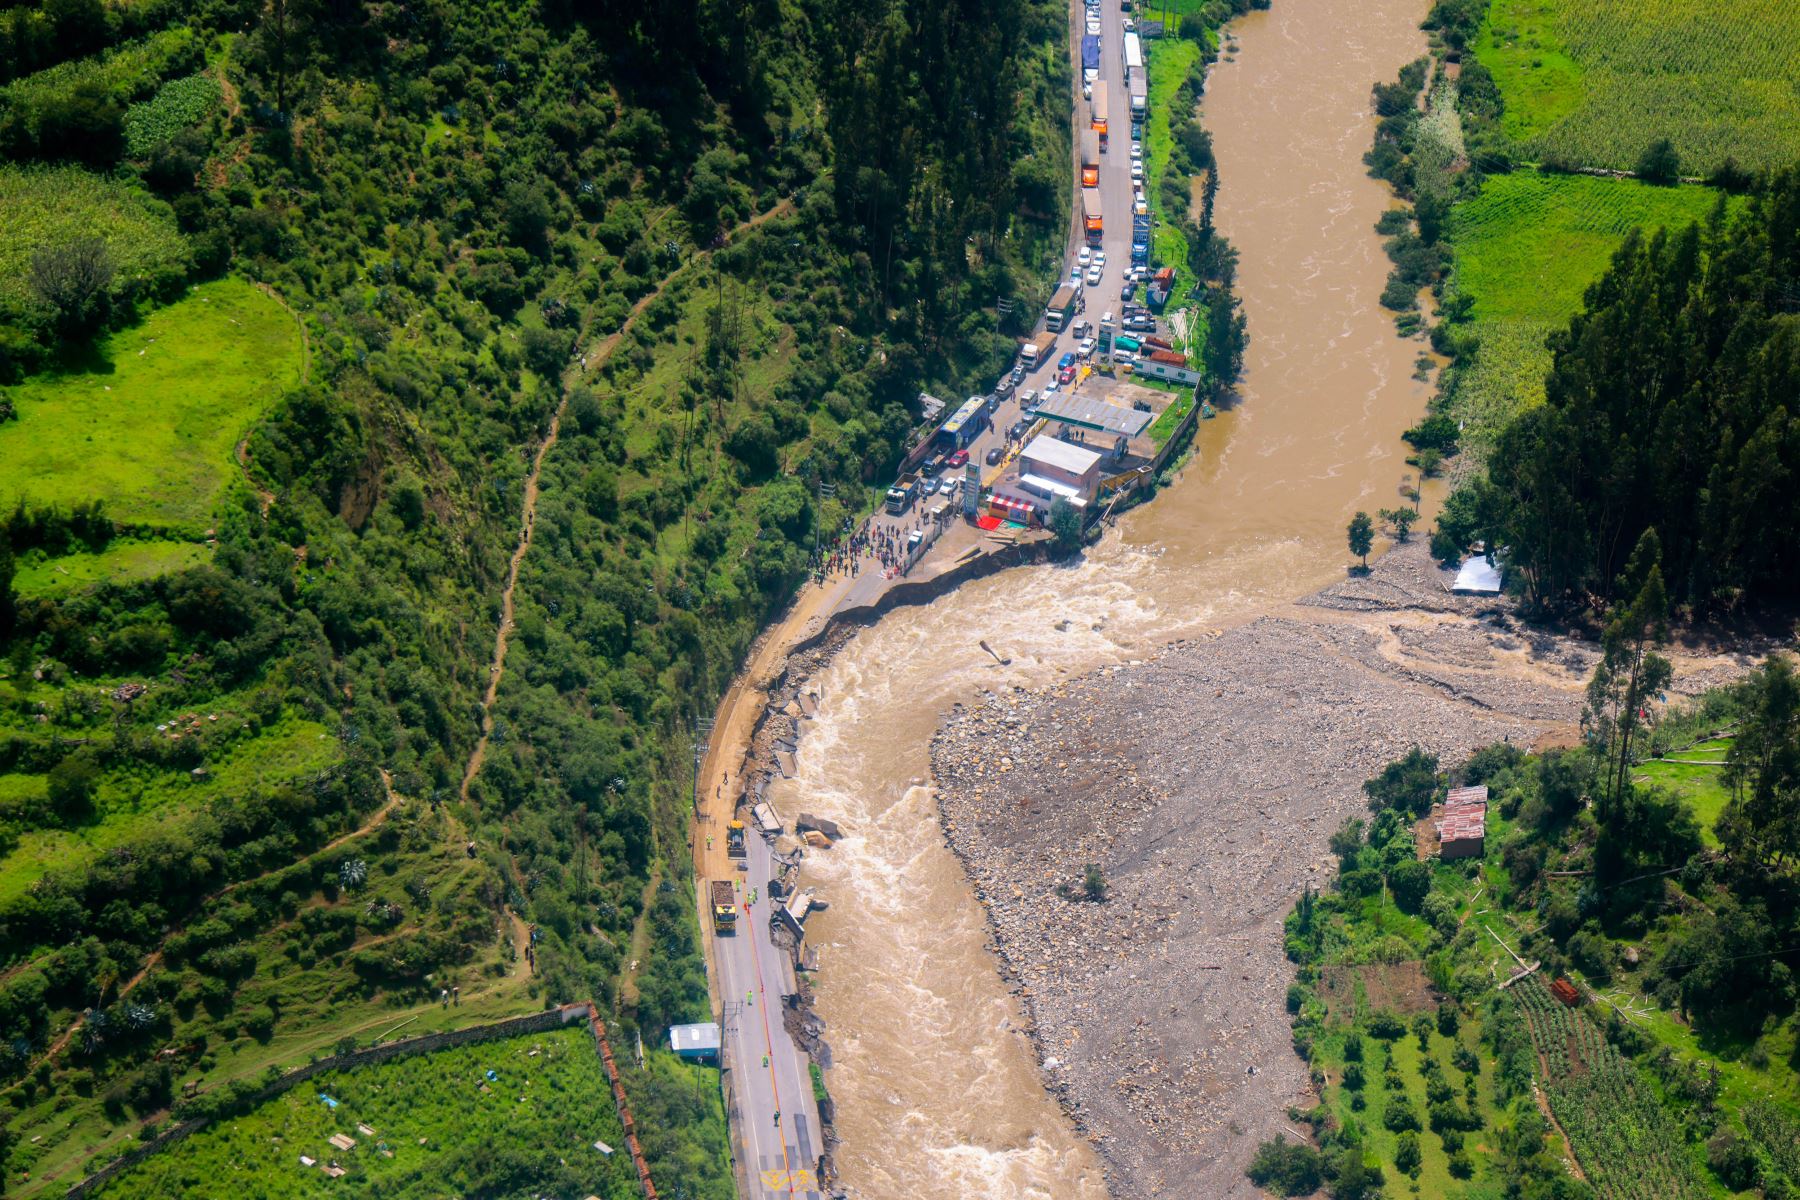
(251, 559)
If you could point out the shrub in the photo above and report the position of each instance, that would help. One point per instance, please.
(1286, 1168)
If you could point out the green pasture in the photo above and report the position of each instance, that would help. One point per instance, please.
(151, 429)
(1700, 783)
(1596, 81)
(1527, 248)
(120, 562)
(1169, 63)
(132, 800)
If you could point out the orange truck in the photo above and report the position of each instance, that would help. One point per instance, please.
(1090, 214)
(1090, 158)
(1099, 110)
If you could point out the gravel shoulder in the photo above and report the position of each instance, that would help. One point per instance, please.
(1205, 783)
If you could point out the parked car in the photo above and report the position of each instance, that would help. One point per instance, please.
(957, 460)
(1067, 360)
(1083, 256)
(1093, 276)
(1100, 258)
(1137, 168)
(1018, 429)
(1130, 25)
(1018, 373)
(1067, 376)
(1126, 291)
(994, 456)
(1003, 388)
(1086, 349)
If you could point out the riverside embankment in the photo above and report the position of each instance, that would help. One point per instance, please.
(936, 1081)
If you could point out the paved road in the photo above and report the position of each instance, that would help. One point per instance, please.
(769, 1070)
(754, 975)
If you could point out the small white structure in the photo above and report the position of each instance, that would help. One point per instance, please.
(1478, 577)
(698, 1043)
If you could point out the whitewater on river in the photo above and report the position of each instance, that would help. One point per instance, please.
(937, 1086)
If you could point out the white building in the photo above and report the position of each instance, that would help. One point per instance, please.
(1056, 469)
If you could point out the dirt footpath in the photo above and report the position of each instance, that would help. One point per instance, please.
(1205, 783)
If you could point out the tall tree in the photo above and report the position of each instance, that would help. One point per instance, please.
(1630, 672)
(1362, 537)
(1761, 822)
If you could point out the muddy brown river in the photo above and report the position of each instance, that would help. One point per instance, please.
(938, 1090)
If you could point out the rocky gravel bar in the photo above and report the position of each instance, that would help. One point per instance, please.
(1205, 783)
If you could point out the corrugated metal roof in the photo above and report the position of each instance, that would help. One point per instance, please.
(1090, 413)
(1465, 814)
(1061, 455)
(704, 1036)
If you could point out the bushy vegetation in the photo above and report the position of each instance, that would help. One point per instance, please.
(1674, 1075)
(1665, 411)
(458, 202)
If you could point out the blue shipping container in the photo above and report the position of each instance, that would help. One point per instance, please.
(1090, 53)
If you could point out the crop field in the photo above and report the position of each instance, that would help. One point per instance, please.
(1596, 81)
(514, 1117)
(1527, 248)
(48, 205)
(177, 105)
(121, 73)
(152, 432)
(1626, 1141)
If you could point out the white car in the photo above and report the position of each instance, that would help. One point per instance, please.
(1086, 349)
(1130, 25)
(1093, 276)
(1083, 256)
(1137, 168)
(1137, 152)
(1100, 258)
(1048, 388)
(1106, 318)
(1075, 277)
(1093, 28)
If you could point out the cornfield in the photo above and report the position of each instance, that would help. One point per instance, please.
(44, 206)
(1719, 78)
(178, 105)
(126, 73)
(1626, 1141)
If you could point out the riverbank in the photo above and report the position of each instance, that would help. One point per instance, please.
(1204, 782)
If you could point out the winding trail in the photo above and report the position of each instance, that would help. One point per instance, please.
(590, 362)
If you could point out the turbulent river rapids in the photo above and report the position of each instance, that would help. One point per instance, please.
(937, 1088)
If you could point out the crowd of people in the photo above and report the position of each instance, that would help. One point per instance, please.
(883, 543)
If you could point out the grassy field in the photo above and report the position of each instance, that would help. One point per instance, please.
(152, 431)
(120, 562)
(134, 799)
(503, 1118)
(1170, 62)
(1595, 81)
(1699, 782)
(1527, 248)
(47, 205)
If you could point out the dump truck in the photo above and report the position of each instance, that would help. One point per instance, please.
(734, 840)
(724, 906)
(1092, 218)
(1099, 110)
(1037, 351)
(901, 495)
(1062, 307)
(1090, 159)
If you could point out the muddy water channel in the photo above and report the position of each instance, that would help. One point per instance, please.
(937, 1087)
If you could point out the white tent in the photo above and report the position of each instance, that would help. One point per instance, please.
(1478, 577)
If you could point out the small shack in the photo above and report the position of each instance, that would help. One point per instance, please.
(1462, 831)
(1565, 992)
(695, 1043)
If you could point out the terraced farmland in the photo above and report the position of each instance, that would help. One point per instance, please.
(1625, 1140)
